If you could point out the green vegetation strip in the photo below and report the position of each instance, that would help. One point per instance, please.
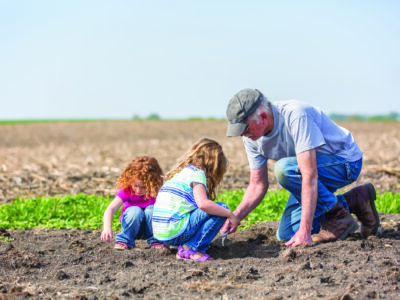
(86, 211)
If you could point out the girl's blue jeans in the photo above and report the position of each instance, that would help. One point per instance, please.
(136, 224)
(333, 172)
(200, 231)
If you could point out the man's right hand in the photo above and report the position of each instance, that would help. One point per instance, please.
(234, 222)
(254, 194)
(230, 225)
(226, 227)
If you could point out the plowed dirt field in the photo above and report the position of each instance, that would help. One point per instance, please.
(87, 157)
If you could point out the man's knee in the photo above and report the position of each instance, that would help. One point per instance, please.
(284, 235)
(279, 237)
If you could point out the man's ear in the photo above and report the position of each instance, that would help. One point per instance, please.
(264, 116)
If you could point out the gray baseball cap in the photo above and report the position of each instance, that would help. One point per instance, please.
(240, 107)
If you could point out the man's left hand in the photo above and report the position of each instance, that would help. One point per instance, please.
(299, 239)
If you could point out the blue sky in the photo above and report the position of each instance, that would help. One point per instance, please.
(179, 59)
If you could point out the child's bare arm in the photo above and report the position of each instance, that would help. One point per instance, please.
(210, 207)
(107, 234)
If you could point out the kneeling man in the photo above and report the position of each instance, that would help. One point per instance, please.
(314, 157)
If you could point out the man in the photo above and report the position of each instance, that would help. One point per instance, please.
(314, 157)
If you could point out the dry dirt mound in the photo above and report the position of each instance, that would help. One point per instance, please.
(59, 264)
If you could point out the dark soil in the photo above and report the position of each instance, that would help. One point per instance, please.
(58, 264)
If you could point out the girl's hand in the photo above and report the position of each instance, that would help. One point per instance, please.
(107, 235)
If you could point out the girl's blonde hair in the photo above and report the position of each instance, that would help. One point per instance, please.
(145, 169)
(205, 154)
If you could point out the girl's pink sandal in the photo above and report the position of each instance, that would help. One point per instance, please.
(157, 245)
(120, 246)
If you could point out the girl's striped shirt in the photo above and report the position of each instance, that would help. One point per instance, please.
(174, 203)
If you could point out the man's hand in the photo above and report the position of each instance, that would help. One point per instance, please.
(254, 194)
(300, 238)
(307, 162)
(226, 227)
(229, 227)
(234, 222)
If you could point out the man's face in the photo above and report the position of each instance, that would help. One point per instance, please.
(255, 128)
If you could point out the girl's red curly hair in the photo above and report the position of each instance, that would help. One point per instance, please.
(145, 169)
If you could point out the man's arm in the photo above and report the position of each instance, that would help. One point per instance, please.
(307, 162)
(254, 194)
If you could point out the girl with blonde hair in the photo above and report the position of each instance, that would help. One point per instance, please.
(185, 213)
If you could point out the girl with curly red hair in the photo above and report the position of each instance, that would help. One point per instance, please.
(139, 183)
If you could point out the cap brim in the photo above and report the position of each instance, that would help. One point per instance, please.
(235, 129)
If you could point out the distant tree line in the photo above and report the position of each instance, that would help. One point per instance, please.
(154, 116)
(393, 116)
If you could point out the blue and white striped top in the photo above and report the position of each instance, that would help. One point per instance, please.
(174, 202)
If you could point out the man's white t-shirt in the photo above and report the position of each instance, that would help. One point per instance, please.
(299, 127)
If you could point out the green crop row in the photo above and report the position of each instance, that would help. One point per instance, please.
(86, 211)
